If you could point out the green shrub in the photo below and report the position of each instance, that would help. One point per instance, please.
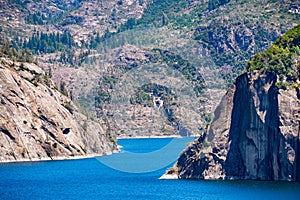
(279, 58)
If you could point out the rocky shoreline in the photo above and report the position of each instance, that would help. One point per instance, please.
(38, 122)
(58, 158)
(254, 135)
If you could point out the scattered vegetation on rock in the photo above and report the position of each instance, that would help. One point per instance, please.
(283, 58)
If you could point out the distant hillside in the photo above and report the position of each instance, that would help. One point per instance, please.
(86, 45)
(229, 32)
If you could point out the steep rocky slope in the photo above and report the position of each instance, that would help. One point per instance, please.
(37, 122)
(81, 41)
(255, 135)
(256, 130)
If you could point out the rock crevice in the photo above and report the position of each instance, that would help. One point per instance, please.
(255, 135)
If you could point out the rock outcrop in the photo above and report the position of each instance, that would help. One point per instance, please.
(37, 122)
(255, 135)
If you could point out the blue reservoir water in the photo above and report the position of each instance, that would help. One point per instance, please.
(91, 179)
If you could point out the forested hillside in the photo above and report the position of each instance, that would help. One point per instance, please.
(90, 45)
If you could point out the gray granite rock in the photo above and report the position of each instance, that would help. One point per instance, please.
(255, 135)
(37, 122)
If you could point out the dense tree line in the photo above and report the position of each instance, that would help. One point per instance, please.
(48, 43)
(213, 4)
(36, 19)
(21, 55)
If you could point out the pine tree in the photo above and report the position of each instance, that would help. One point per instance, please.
(212, 4)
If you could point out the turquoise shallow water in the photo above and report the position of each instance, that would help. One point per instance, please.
(91, 179)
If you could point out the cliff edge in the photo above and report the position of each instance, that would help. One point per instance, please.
(256, 130)
(255, 135)
(37, 122)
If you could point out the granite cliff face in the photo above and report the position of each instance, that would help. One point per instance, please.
(255, 135)
(37, 122)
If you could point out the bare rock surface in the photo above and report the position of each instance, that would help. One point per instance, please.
(255, 135)
(37, 122)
